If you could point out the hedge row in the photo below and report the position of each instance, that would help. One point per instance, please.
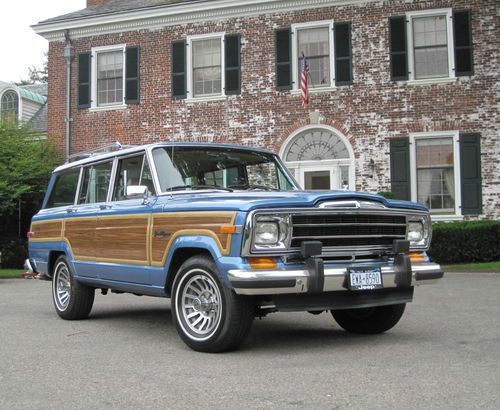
(14, 252)
(465, 242)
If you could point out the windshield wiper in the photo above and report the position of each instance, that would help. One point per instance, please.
(194, 187)
(251, 187)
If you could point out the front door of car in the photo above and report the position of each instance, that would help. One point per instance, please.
(123, 225)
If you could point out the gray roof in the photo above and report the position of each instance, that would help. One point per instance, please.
(38, 122)
(117, 6)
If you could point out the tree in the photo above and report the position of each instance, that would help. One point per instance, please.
(26, 163)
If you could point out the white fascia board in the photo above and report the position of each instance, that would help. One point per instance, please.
(176, 14)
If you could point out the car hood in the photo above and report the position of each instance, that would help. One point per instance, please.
(249, 201)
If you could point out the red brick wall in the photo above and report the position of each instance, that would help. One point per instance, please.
(369, 112)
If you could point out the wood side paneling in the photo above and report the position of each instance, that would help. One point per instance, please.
(47, 230)
(166, 227)
(123, 237)
(80, 235)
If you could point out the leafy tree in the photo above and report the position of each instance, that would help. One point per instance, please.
(26, 163)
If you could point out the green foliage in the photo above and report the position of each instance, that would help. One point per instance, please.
(387, 194)
(26, 163)
(462, 242)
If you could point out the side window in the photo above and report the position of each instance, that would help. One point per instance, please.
(64, 189)
(132, 171)
(95, 183)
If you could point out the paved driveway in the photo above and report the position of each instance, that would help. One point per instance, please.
(445, 353)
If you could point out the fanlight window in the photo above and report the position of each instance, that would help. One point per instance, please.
(316, 145)
(9, 106)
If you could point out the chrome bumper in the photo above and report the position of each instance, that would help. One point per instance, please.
(274, 282)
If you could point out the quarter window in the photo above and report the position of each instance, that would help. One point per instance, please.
(64, 189)
(95, 183)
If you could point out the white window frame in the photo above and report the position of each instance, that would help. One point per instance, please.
(450, 44)
(19, 103)
(93, 77)
(189, 63)
(414, 137)
(295, 54)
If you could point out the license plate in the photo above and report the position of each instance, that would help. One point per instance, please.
(364, 278)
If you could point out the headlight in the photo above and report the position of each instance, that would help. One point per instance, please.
(266, 233)
(419, 231)
(270, 232)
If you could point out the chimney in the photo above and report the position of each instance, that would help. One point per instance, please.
(95, 2)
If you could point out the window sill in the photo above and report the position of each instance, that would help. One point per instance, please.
(315, 90)
(429, 81)
(205, 99)
(109, 108)
(446, 218)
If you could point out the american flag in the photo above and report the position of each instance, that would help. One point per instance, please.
(304, 81)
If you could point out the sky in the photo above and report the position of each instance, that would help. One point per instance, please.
(20, 47)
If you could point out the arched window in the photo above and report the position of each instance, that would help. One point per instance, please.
(9, 106)
(320, 157)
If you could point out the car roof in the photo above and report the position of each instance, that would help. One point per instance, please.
(138, 148)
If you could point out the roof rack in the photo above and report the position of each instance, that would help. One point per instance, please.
(117, 146)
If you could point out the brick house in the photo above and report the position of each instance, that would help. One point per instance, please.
(404, 95)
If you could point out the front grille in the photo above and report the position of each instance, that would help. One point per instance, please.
(341, 231)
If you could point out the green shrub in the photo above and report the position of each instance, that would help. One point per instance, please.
(387, 194)
(463, 242)
(14, 252)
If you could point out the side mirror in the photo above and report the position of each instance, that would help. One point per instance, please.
(137, 191)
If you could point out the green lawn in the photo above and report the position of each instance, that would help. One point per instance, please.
(11, 273)
(483, 266)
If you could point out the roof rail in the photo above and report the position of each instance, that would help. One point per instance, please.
(117, 146)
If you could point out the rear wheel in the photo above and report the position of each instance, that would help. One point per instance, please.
(208, 315)
(72, 300)
(369, 320)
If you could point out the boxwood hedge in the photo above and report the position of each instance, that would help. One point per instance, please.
(465, 242)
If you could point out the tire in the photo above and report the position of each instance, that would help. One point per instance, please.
(207, 314)
(72, 300)
(369, 320)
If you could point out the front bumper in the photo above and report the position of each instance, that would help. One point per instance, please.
(296, 281)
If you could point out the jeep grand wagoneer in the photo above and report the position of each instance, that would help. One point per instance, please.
(227, 234)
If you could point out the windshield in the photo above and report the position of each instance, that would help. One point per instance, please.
(188, 168)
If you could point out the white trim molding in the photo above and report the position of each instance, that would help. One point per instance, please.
(176, 14)
(94, 106)
(322, 165)
(295, 53)
(456, 170)
(449, 43)
(189, 67)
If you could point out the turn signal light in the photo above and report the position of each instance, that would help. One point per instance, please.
(416, 256)
(228, 229)
(262, 263)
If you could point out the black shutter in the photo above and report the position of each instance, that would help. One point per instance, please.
(233, 65)
(84, 80)
(179, 69)
(470, 173)
(132, 88)
(462, 32)
(283, 59)
(400, 168)
(397, 41)
(343, 54)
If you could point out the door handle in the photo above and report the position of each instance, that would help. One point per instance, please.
(70, 210)
(105, 206)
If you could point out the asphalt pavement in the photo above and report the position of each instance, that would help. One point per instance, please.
(444, 353)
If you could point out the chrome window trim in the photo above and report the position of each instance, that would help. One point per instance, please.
(247, 249)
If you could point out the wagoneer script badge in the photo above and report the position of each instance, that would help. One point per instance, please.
(161, 234)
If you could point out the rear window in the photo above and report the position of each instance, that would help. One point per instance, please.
(64, 189)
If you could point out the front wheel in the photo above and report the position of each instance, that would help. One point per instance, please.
(72, 300)
(369, 320)
(208, 315)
